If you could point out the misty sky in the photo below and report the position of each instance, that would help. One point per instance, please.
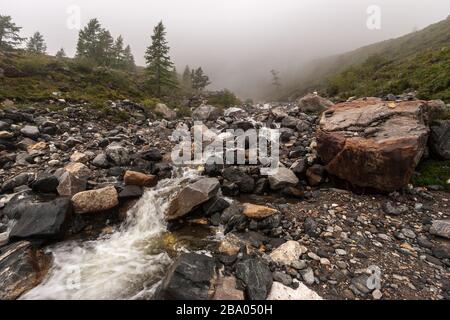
(237, 42)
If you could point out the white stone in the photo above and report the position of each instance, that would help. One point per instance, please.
(282, 292)
(288, 252)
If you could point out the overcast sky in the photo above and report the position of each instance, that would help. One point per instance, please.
(236, 41)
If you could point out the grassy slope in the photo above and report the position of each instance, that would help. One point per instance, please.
(37, 77)
(420, 60)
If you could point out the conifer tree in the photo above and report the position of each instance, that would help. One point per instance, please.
(199, 80)
(275, 79)
(61, 54)
(159, 65)
(9, 34)
(88, 40)
(36, 44)
(128, 59)
(186, 78)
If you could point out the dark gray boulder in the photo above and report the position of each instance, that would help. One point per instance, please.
(440, 138)
(46, 220)
(245, 182)
(189, 278)
(256, 276)
(46, 183)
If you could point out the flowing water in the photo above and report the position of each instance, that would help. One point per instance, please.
(127, 264)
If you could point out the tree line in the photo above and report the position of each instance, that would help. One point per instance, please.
(96, 44)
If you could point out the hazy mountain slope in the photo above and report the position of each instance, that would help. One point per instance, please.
(420, 60)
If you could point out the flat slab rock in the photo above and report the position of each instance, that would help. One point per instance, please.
(374, 143)
(281, 292)
(22, 267)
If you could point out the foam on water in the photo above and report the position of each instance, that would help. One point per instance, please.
(125, 265)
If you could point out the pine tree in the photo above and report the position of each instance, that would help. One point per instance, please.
(118, 53)
(36, 44)
(199, 80)
(105, 53)
(186, 78)
(9, 34)
(128, 59)
(275, 79)
(95, 43)
(159, 65)
(88, 39)
(61, 54)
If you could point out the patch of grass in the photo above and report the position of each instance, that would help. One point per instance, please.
(433, 172)
(223, 99)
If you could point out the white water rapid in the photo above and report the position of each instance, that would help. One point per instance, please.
(127, 264)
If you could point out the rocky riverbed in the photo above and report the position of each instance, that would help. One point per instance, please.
(90, 208)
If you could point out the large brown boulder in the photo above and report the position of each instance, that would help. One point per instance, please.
(374, 143)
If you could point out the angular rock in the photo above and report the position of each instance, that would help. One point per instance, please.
(118, 154)
(19, 180)
(78, 169)
(215, 205)
(101, 161)
(206, 113)
(282, 277)
(192, 196)
(226, 289)
(289, 122)
(230, 246)
(133, 178)
(440, 138)
(31, 132)
(288, 253)
(22, 267)
(282, 292)
(45, 182)
(315, 175)
(131, 192)
(245, 182)
(314, 103)
(391, 209)
(189, 278)
(95, 200)
(257, 212)
(374, 143)
(308, 276)
(70, 184)
(37, 147)
(441, 228)
(165, 111)
(79, 157)
(47, 220)
(256, 277)
(282, 178)
(152, 155)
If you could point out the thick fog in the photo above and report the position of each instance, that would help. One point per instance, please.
(237, 42)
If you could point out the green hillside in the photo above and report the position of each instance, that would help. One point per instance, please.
(36, 77)
(420, 61)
